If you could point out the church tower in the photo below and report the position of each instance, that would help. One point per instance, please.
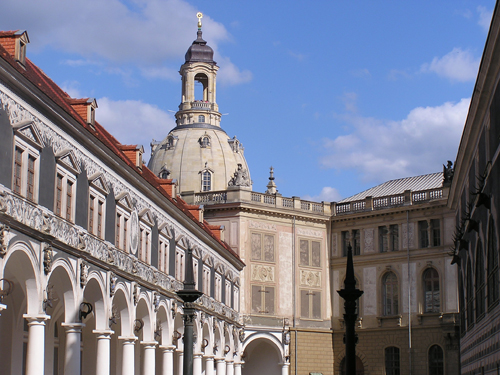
(198, 152)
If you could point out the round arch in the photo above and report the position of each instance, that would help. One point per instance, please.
(263, 354)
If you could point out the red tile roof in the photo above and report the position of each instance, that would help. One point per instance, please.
(39, 79)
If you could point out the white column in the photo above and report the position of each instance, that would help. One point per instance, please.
(220, 366)
(284, 368)
(128, 355)
(72, 352)
(167, 355)
(229, 368)
(237, 368)
(180, 363)
(209, 366)
(149, 366)
(197, 364)
(35, 356)
(103, 352)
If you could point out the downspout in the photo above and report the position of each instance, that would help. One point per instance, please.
(409, 287)
(294, 297)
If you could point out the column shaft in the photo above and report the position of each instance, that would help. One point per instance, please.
(35, 357)
(167, 367)
(209, 366)
(128, 355)
(72, 353)
(220, 366)
(103, 352)
(197, 364)
(180, 363)
(149, 352)
(284, 369)
(229, 368)
(237, 369)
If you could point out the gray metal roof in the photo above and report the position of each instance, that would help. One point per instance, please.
(393, 187)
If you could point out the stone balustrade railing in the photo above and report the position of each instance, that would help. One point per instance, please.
(202, 105)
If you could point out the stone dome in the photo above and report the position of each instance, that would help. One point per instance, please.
(189, 152)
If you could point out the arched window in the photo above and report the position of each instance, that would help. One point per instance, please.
(431, 291)
(390, 294)
(206, 181)
(436, 360)
(205, 141)
(470, 295)
(170, 142)
(392, 361)
(480, 282)
(201, 118)
(493, 293)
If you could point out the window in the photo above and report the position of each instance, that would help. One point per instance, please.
(146, 223)
(218, 286)
(470, 296)
(206, 280)
(96, 214)
(263, 299)
(122, 229)
(25, 171)
(179, 264)
(310, 304)
(356, 242)
(163, 251)
(432, 300)
(164, 173)
(195, 272)
(201, 118)
(423, 233)
(236, 298)
(392, 361)
(204, 141)
(435, 232)
(346, 240)
(493, 279)
(262, 247)
(390, 294)
(310, 253)
(388, 238)
(65, 194)
(171, 141)
(436, 360)
(206, 181)
(480, 283)
(227, 292)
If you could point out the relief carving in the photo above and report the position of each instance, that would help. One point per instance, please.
(310, 278)
(309, 232)
(334, 244)
(262, 273)
(369, 234)
(260, 225)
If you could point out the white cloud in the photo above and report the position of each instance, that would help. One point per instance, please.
(230, 74)
(161, 72)
(383, 150)
(361, 73)
(350, 99)
(457, 65)
(133, 122)
(71, 88)
(147, 33)
(328, 194)
(484, 17)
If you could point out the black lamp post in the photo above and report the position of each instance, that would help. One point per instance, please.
(350, 294)
(189, 295)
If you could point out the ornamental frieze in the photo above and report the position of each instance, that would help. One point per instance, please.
(260, 225)
(309, 232)
(262, 273)
(310, 278)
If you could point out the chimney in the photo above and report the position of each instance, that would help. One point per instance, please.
(15, 43)
(133, 153)
(85, 109)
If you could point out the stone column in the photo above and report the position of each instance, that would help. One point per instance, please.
(229, 368)
(167, 356)
(102, 362)
(197, 364)
(209, 366)
(35, 357)
(72, 352)
(284, 368)
(237, 368)
(220, 366)
(180, 363)
(149, 366)
(128, 355)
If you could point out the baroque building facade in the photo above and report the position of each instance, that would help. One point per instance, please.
(93, 245)
(474, 197)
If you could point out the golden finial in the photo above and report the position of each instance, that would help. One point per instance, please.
(200, 16)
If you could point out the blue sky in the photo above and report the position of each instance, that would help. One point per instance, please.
(338, 96)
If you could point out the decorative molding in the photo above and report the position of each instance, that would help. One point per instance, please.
(369, 238)
(262, 273)
(309, 232)
(260, 225)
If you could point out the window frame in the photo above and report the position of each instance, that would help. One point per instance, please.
(122, 229)
(392, 360)
(163, 250)
(263, 236)
(310, 252)
(68, 190)
(145, 236)
(262, 290)
(433, 279)
(94, 212)
(310, 293)
(394, 307)
(435, 368)
(206, 183)
(27, 152)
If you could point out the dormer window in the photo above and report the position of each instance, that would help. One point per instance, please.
(171, 141)
(201, 118)
(21, 42)
(206, 181)
(164, 173)
(204, 141)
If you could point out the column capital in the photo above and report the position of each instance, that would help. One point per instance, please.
(36, 319)
(198, 355)
(166, 348)
(128, 339)
(149, 344)
(209, 357)
(104, 333)
(219, 360)
(73, 327)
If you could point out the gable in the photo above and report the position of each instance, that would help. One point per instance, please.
(68, 159)
(124, 200)
(98, 181)
(28, 131)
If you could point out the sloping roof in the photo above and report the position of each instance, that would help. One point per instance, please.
(394, 187)
(40, 80)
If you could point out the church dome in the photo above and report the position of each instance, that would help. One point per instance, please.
(200, 51)
(201, 158)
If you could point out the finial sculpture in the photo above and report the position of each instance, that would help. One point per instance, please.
(350, 294)
(200, 16)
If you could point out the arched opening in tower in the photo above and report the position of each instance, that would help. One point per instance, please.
(201, 87)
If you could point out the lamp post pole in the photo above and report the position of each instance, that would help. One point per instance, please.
(189, 295)
(350, 294)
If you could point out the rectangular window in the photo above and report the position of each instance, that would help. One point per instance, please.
(346, 240)
(100, 205)
(24, 171)
(163, 254)
(64, 194)
(118, 230)
(394, 237)
(69, 200)
(206, 280)
(436, 232)
(356, 242)
(227, 292)
(310, 304)
(121, 230)
(179, 264)
(423, 233)
(388, 238)
(383, 241)
(310, 253)
(30, 192)
(236, 304)
(59, 194)
(263, 299)
(218, 287)
(262, 247)
(144, 241)
(91, 214)
(18, 168)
